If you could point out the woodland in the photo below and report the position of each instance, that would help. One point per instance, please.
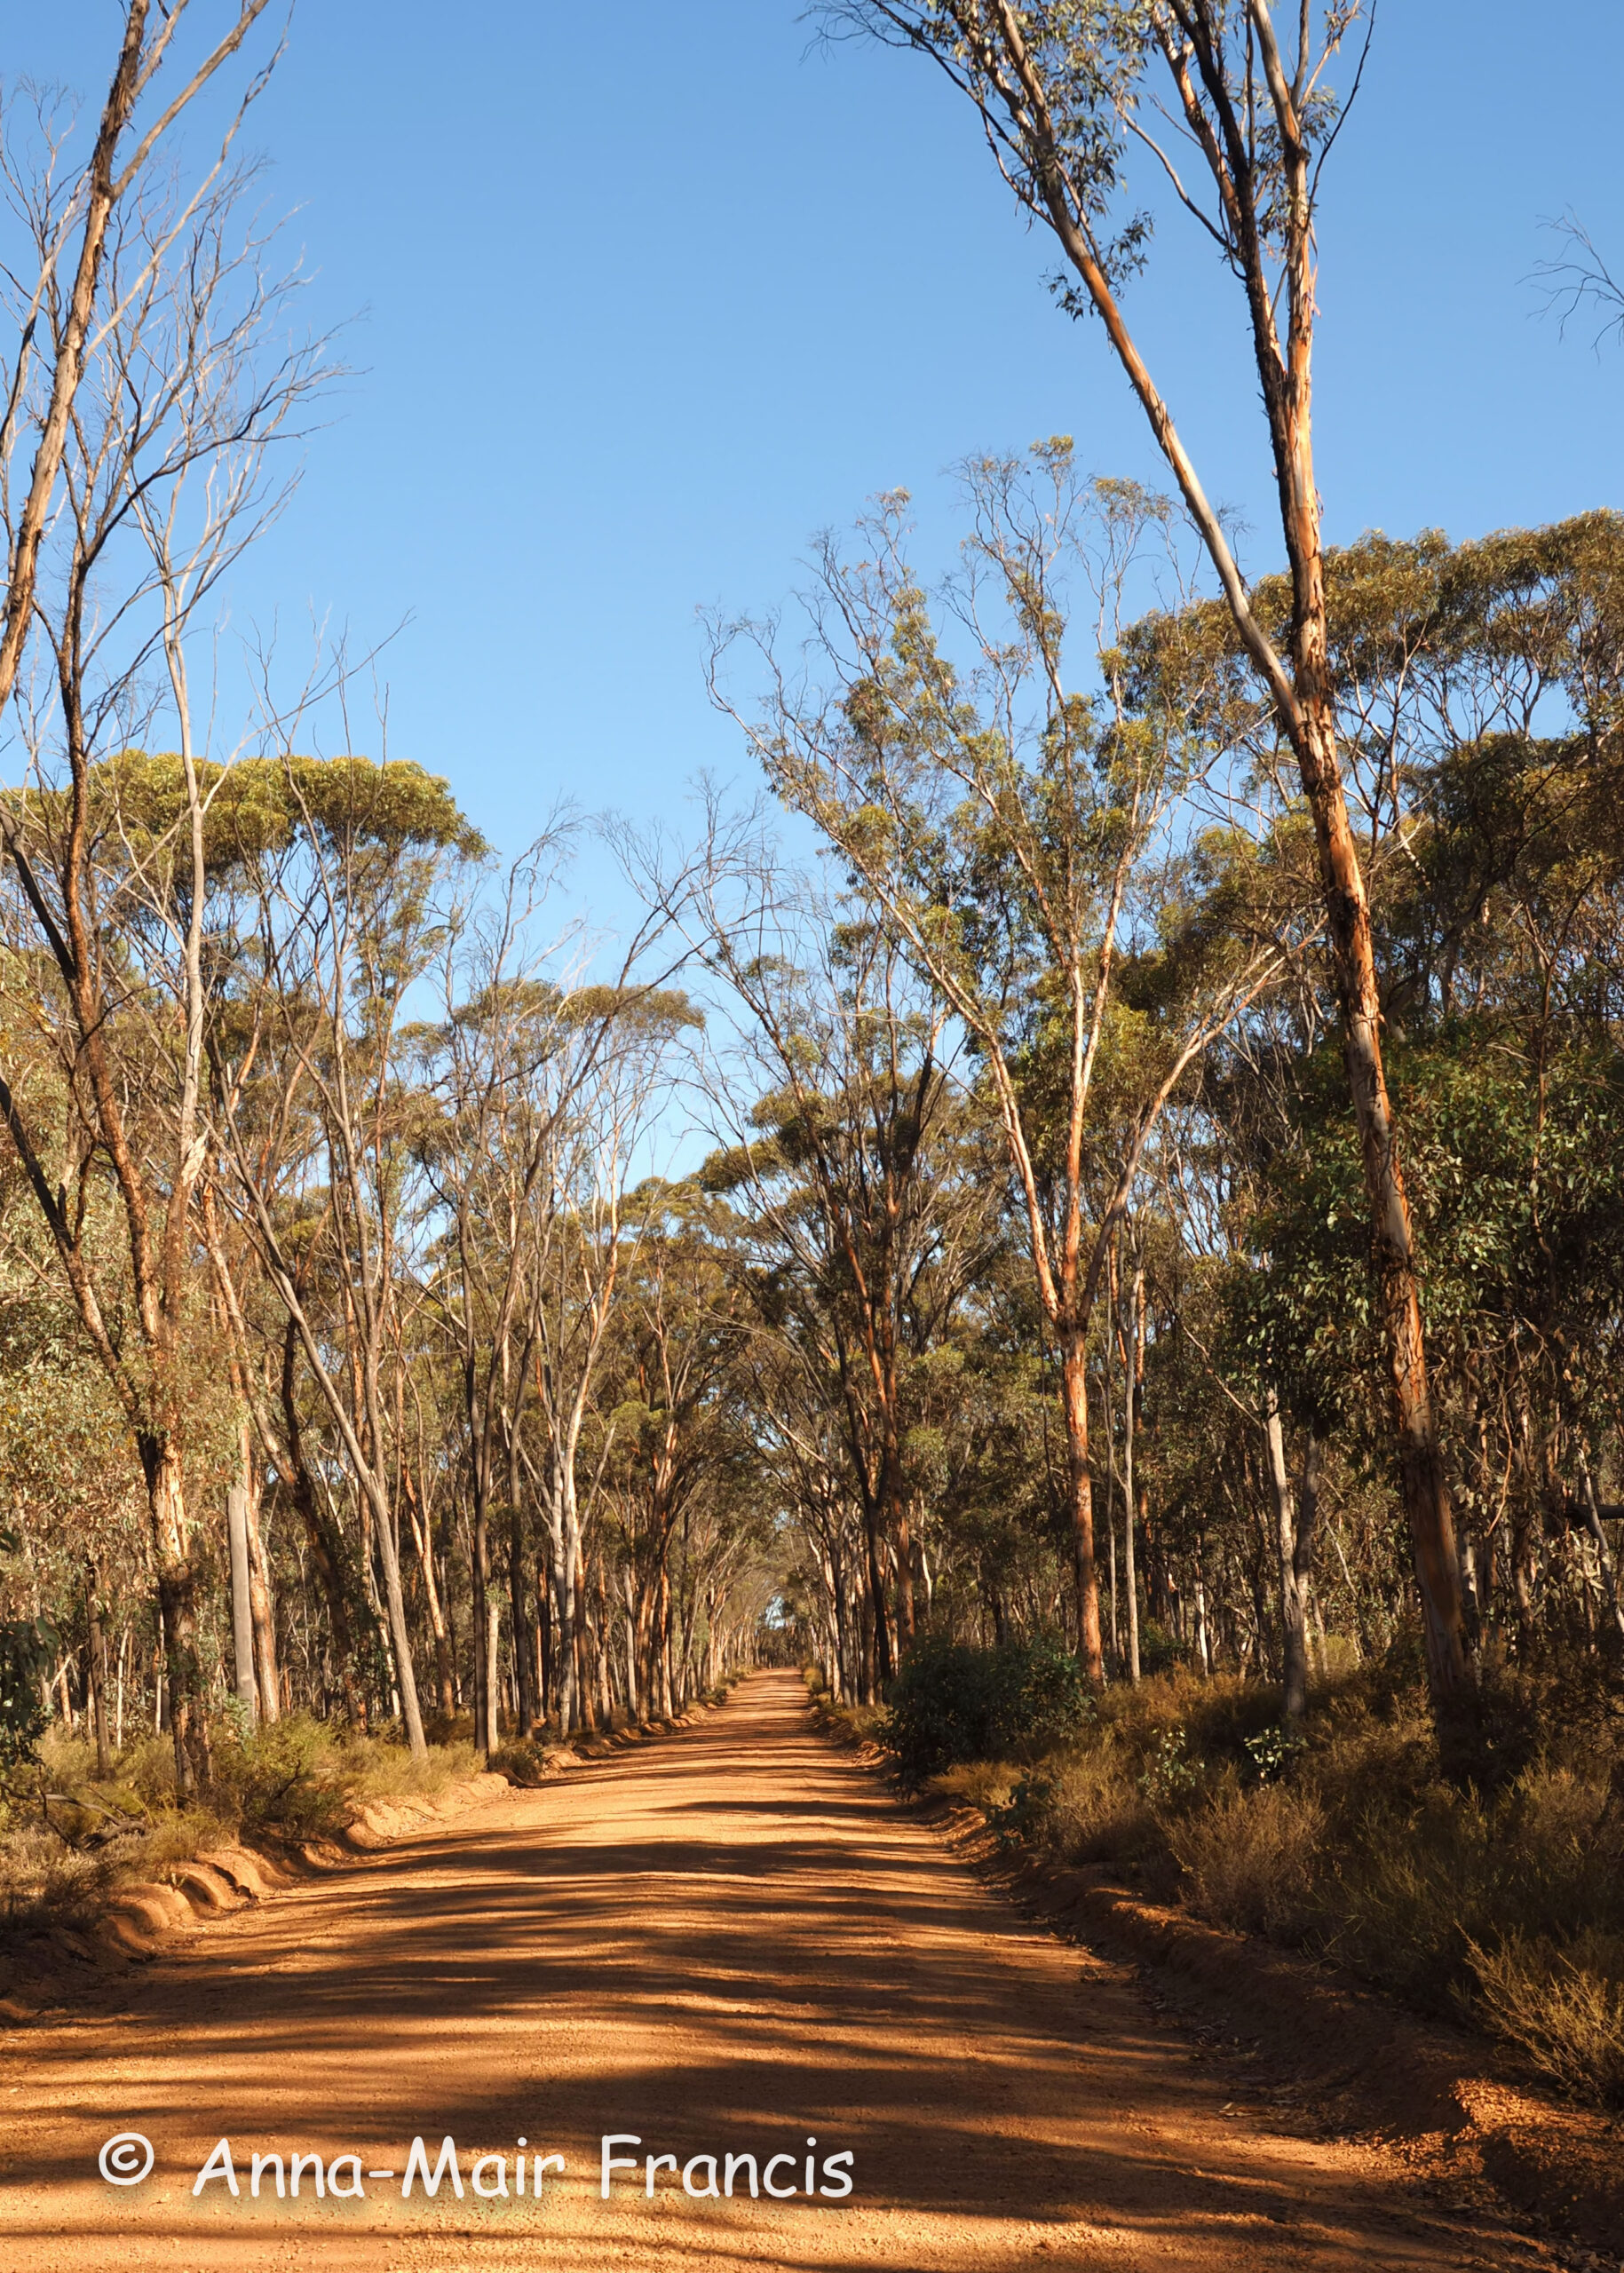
(1084, 1209)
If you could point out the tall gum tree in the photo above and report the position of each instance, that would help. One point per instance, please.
(346, 874)
(1236, 117)
(1026, 846)
(139, 372)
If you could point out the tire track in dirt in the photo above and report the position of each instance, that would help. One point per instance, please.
(724, 1942)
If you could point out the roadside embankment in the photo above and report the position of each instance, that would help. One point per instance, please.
(1317, 2050)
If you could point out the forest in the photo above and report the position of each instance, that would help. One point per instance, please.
(1082, 1206)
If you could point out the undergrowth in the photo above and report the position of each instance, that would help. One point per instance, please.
(67, 1836)
(1498, 1898)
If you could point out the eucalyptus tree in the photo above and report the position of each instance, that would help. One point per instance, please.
(1027, 846)
(673, 1447)
(162, 476)
(855, 1165)
(1478, 692)
(59, 296)
(350, 873)
(1234, 118)
(535, 1072)
(492, 1067)
(611, 1078)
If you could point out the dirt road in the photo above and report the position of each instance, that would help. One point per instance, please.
(727, 1943)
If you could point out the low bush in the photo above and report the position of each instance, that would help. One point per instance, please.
(1253, 1861)
(978, 1783)
(1563, 2007)
(523, 1761)
(68, 1835)
(950, 1703)
(851, 1723)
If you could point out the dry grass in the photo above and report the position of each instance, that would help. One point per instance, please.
(1252, 1861)
(984, 1784)
(1562, 2008)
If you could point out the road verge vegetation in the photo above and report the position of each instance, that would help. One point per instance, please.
(1498, 1902)
(70, 1837)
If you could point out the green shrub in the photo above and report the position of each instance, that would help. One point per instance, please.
(1025, 1817)
(1503, 1897)
(522, 1761)
(952, 1703)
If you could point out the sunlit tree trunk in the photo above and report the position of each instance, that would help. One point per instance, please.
(1080, 1497)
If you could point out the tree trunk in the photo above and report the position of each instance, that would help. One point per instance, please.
(562, 1575)
(261, 1604)
(493, 1618)
(484, 1665)
(544, 1652)
(176, 1612)
(1603, 1553)
(399, 1634)
(1080, 1481)
(885, 1662)
(634, 1704)
(445, 1687)
(1132, 1391)
(1296, 1513)
(905, 1577)
(524, 1672)
(663, 1615)
(242, 1612)
(323, 1552)
(97, 1654)
(1423, 1483)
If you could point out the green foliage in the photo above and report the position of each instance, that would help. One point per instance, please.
(258, 807)
(1024, 1817)
(27, 1652)
(951, 1703)
(1169, 1775)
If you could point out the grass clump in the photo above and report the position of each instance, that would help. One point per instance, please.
(1561, 2006)
(1251, 1860)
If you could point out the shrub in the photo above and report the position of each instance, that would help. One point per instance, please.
(1100, 1812)
(1411, 1890)
(983, 1784)
(952, 1703)
(70, 1836)
(522, 1761)
(1562, 2008)
(1026, 1817)
(1250, 1861)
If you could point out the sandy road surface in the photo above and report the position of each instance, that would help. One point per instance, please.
(725, 1942)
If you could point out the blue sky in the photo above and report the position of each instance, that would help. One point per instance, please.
(634, 323)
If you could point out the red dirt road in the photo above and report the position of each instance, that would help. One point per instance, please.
(722, 1943)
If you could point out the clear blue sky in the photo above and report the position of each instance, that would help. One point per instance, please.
(639, 321)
